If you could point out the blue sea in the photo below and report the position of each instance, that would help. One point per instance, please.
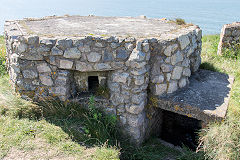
(210, 15)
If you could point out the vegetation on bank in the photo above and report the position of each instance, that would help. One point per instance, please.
(222, 140)
(67, 131)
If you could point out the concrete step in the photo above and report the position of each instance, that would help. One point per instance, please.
(206, 98)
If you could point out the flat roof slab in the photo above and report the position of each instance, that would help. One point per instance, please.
(206, 98)
(96, 25)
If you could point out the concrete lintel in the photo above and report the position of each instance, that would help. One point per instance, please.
(206, 98)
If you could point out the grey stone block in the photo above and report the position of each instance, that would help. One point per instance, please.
(73, 53)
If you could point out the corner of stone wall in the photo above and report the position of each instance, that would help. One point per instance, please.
(171, 64)
(173, 61)
(229, 37)
(128, 88)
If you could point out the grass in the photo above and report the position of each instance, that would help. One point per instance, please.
(180, 21)
(2, 57)
(66, 131)
(103, 91)
(31, 128)
(222, 140)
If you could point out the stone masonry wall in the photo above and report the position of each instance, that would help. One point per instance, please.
(172, 62)
(41, 67)
(230, 37)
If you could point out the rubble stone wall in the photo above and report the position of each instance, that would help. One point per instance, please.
(230, 37)
(41, 67)
(172, 62)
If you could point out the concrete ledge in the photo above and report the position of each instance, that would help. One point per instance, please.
(205, 99)
(77, 26)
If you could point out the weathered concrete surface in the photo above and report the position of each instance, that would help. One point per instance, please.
(205, 99)
(73, 26)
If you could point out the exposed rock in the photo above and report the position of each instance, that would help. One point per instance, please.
(186, 62)
(120, 77)
(157, 79)
(35, 82)
(187, 72)
(145, 47)
(129, 46)
(102, 66)
(166, 67)
(123, 120)
(83, 66)
(99, 44)
(64, 44)
(177, 72)
(182, 82)
(135, 109)
(170, 49)
(65, 64)
(137, 56)
(61, 81)
(139, 80)
(52, 60)
(122, 54)
(135, 120)
(160, 89)
(173, 86)
(168, 60)
(32, 55)
(178, 57)
(46, 80)
(117, 99)
(139, 72)
(114, 87)
(184, 41)
(114, 45)
(138, 98)
(137, 65)
(22, 47)
(56, 52)
(72, 53)
(60, 90)
(30, 74)
(43, 49)
(107, 57)
(43, 67)
(94, 57)
(84, 48)
(48, 42)
(33, 40)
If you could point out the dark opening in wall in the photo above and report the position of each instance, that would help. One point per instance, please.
(93, 83)
(180, 130)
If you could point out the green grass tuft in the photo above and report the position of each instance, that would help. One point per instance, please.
(232, 52)
(2, 57)
(180, 21)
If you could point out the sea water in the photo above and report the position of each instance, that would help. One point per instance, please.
(210, 15)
